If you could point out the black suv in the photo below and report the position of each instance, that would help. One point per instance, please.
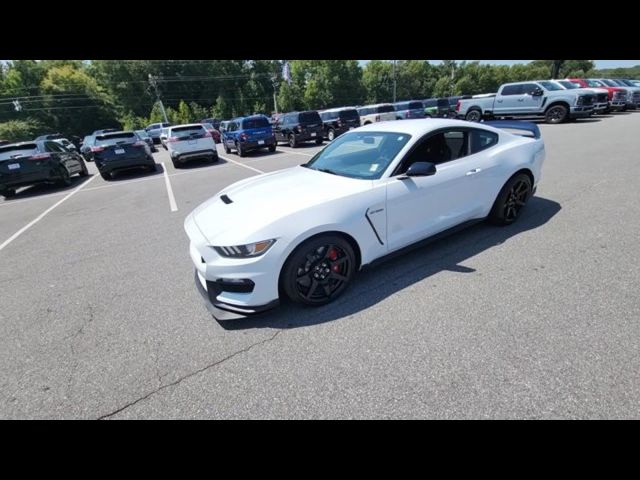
(40, 161)
(298, 127)
(339, 120)
(117, 151)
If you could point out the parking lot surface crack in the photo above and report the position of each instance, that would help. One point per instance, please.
(189, 375)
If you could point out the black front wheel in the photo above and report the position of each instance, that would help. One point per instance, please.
(272, 148)
(241, 151)
(556, 114)
(511, 199)
(319, 270)
(11, 192)
(293, 142)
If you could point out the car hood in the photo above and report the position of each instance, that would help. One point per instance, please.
(251, 205)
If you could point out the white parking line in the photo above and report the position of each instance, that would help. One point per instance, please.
(298, 153)
(43, 214)
(172, 199)
(241, 164)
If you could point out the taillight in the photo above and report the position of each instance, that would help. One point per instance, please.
(97, 149)
(458, 106)
(243, 136)
(139, 144)
(339, 122)
(41, 156)
(173, 139)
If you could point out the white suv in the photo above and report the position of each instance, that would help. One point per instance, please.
(189, 142)
(381, 112)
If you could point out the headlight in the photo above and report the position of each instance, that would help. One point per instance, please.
(245, 251)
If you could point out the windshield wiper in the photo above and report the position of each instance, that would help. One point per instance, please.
(327, 170)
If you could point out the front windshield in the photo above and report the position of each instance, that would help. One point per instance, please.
(364, 155)
(609, 83)
(550, 86)
(594, 83)
(568, 85)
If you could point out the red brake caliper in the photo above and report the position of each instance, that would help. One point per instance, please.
(333, 256)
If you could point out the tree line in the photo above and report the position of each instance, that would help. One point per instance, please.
(76, 97)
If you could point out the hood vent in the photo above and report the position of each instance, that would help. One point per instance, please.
(226, 199)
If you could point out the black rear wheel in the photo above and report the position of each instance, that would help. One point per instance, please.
(65, 178)
(293, 142)
(319, 270)
(511, 199)
(241, 152)
(105, 175)
(11, 192)
(556, 114)
(272, 148)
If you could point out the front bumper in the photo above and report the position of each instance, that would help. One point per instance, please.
(581, 112)
(224, 311)
(211, 269)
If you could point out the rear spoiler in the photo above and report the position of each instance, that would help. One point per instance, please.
(532, 128)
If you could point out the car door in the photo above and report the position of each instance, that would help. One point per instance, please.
(62, 156)
(529, 102)
(508, 100)
(419, 207)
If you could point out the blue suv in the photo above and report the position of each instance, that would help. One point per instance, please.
(244, 134)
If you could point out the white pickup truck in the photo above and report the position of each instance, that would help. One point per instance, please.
(529, 99)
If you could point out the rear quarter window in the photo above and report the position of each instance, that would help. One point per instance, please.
(415, 106)
(114, 138)
(482, 139)
(385, 109)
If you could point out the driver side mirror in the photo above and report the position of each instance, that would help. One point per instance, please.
(421, 169)
(537, 92)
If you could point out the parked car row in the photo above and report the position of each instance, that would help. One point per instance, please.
(556, 101)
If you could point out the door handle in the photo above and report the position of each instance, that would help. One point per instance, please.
(521, 99)
(499, 101)
(473, 172)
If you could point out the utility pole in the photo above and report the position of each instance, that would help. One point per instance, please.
(153, 81)
(394, 81)
(274, 81)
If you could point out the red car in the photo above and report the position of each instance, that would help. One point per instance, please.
(617, 95)
(214, 133)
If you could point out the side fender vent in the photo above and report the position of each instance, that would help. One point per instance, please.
(226, 199)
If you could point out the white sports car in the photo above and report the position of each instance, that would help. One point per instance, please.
(305, 231)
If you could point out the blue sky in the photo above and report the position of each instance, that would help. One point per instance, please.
(599, 63)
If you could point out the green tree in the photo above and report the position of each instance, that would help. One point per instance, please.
(19, 130)
(377, 80)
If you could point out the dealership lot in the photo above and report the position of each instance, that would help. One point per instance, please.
(100, 317)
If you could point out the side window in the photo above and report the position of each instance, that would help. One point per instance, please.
(53, 147)
(437, 148)
(512, 90)
(456, 141)
(481, 140)
(528, 88)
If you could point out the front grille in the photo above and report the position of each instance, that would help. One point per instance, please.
(602, 97)
(636, 97)
(585, 100)
(619, 95)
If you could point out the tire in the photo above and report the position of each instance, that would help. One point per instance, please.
(556, 114)
(293, 143)
(65, 178)
(9, 193)
(106, 175)
(153, 168)
(176, 165)
(512, 198)
(319, 141)
(331, 134)
(473, 115)
(85, 171)
(214, 158)
(241, 152)
(328, 260)
(272, 148)
(227, 150)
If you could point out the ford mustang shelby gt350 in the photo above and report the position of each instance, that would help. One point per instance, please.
(304, 231)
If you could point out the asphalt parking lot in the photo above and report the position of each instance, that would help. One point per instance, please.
(100, 318)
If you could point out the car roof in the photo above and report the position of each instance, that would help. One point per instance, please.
(184, 125)
(419, 127)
